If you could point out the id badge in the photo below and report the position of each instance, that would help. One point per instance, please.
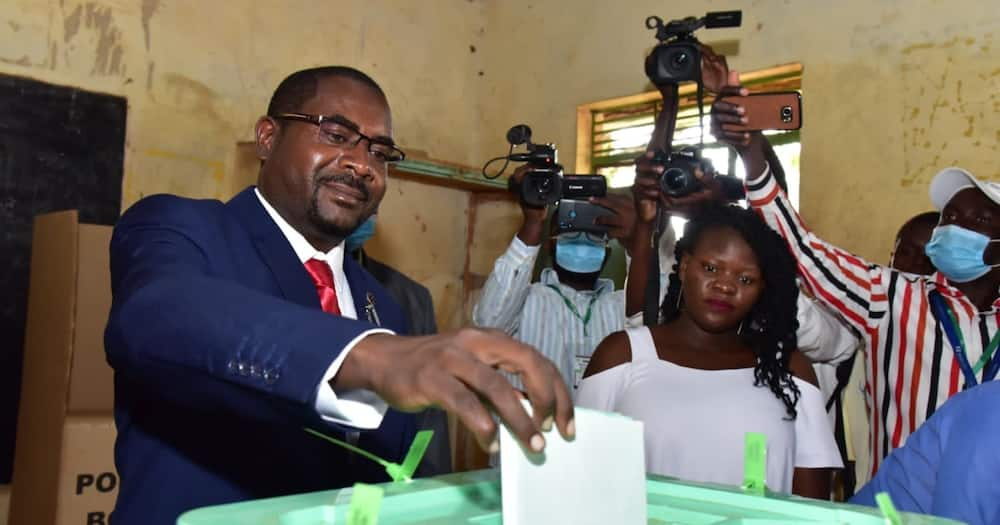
(581, 366)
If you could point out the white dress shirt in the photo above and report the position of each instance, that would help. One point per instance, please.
(540, 314)
(357, 408)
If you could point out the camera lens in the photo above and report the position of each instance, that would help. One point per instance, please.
(674, 181)
(786, 113)
(679, 60)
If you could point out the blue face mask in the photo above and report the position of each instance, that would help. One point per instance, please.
(580, 255)
(360, 235)
(959, 253)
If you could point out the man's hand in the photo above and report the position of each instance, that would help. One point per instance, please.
(647, 193)
(714, 70)
(534, 217)
(728, 113)
(709, 190)
(457, 372)
(622, 224)
(750, 145)
(646, 188)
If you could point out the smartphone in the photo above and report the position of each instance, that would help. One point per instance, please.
(778, 110)
(578, 216)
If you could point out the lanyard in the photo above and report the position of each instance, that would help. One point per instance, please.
(949, 323)
(569, 304)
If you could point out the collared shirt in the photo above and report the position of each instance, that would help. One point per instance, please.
(356, 408)
(910, 367)
(949, 466)
(538, 314)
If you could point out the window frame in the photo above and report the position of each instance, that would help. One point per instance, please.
(783, 77)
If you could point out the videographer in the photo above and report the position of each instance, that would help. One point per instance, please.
(571, 308)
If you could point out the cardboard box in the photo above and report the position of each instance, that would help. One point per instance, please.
(65, 431)
(88, 482)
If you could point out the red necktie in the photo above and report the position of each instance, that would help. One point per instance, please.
(322, 276)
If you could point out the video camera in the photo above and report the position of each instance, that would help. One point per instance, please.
(678, 58)
(542, 184)
(545, 184)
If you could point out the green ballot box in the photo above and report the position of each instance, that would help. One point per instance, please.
(473, 498)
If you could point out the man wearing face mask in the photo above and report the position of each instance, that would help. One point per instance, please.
(418, 307)
(926, 338)
(571, 309)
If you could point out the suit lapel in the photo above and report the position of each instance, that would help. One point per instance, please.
(274, 249)
(360, 290)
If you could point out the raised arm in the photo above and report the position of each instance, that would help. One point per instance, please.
(714, 74)
(507, 286)
(844, 282)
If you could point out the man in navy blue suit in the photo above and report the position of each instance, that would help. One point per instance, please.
(234, 325)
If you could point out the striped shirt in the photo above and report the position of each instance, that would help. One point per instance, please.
(910, 367)
(537, 313)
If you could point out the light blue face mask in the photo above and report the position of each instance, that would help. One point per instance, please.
(360, 236)
(580, 255)
(959, 253)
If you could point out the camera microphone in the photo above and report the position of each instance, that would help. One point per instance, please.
(519, 134)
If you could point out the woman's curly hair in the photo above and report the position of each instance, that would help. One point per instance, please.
(770, 327)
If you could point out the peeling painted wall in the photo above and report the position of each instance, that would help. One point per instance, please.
(197, 74)
(421, 230)
(893, 90)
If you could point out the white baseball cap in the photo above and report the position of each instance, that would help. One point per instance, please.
(949, 181)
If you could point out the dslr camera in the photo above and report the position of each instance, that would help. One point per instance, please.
(677, 58)
(678, 178)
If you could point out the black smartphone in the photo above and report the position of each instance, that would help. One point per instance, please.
(574, 215)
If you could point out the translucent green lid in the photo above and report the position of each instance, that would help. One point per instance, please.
(474, 498)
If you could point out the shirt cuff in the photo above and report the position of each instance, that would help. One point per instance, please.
(763, 188)
(520, 252)
(362, 409)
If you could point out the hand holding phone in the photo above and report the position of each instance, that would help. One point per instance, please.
(780, 110)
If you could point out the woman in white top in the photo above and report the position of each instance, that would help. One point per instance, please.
(724, 362)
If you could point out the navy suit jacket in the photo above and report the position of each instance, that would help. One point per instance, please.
(218, 343)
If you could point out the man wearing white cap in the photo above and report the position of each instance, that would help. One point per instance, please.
(926, 338)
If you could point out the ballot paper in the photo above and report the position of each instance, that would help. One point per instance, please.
(598, 478)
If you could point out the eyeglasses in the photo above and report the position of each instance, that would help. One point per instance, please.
(336, 131)
(579, 235)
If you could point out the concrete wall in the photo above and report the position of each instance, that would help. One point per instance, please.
(893, 90)
(197, 74)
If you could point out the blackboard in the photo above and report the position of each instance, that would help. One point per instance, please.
(60, 148)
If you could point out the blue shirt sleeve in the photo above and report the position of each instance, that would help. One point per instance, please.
(909, 473)
(968, 479)
(950, 466)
